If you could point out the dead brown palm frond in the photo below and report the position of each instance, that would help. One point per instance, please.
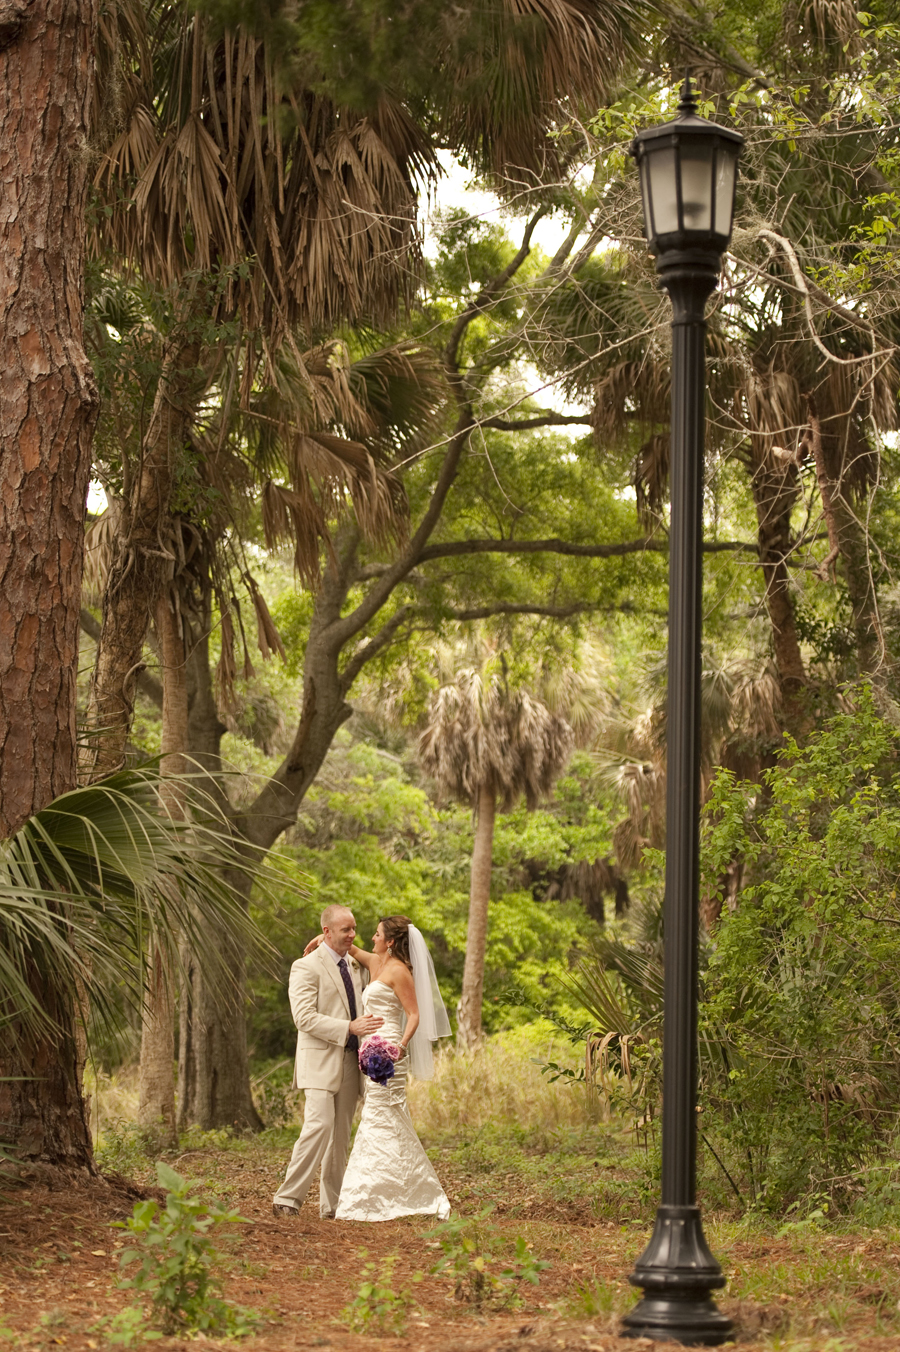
(295, 517)
(319, 437)
(640, 786)
(226, 670)
(831, 26)
(123, 65)
(306, 210)
(478, 733)
(740, 709)
(268, 638)
(756, 722)
(630, 842)
(651, 479)
(771, 403)
(634, 391)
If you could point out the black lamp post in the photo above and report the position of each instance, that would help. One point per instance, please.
(688, 169)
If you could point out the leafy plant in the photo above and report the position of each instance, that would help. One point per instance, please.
(802, 983)
(126, 1328)
(96, 873)
(122, 1148)
(525, 1268)
(177, 1258)
(467, 1262)
(377, 1307)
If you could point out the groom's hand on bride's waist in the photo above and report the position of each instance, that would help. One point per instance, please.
(365, 1024)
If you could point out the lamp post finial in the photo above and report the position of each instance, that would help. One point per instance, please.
(687, 104)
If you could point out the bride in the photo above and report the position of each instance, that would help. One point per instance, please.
(388, 1173)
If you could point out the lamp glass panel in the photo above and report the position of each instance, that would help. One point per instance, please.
(663, 191)
(696, 184)
(726, 163)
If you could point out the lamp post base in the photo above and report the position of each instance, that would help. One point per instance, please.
(677, 1273)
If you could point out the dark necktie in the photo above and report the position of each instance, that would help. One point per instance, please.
(352, 1044)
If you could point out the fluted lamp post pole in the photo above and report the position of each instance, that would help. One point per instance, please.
(688, 170)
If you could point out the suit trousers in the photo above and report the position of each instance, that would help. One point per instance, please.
(325, 1141)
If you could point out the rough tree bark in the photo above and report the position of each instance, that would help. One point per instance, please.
(48, 400)
(468, 1011)
(213, 1062)
(140, 554)
(43, 1114)
(775, 490)
(48, 406)
(156, 1107)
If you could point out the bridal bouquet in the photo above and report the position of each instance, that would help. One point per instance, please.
(377, 1057)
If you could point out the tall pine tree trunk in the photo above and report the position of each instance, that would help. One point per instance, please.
(48, 401)
(468, 1011)
(48, 407)
(43, 1113)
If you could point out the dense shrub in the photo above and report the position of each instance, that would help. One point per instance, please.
(801, 1015)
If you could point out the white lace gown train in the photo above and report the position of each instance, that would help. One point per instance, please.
(388, 1173)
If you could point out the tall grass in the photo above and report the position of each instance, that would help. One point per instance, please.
(501, 1084)
(114, 1098)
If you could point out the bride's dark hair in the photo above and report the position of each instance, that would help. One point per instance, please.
(396, 933)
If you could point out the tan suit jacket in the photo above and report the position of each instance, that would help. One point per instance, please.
(321, 1012)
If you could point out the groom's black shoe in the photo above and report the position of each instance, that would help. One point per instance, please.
(278, 1210)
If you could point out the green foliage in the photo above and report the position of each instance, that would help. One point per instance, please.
(127, 1328)
(465, 1242)
(368, 833)
(89, 878)
(377, 1307)
(176, 1257)
(591, 1299)
(123, 1148)
(802, 991)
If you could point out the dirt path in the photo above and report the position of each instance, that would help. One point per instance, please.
(59, 1268)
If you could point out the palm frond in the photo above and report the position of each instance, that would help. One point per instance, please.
(517, 63)
(92, 878)
(218, 164)
(480, 733)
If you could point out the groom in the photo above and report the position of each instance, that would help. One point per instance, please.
(326, 1001)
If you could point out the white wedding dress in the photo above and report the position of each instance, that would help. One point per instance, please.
(388, 1173)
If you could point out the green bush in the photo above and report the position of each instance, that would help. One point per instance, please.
(801, 1021)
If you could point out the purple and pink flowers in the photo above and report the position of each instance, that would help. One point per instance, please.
(377, 1057)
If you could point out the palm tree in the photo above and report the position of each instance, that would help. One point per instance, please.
(256, 200)
(488, 747)
(740, 710)
(85, 885)
(211, 116)
(318, 437)
(251, 206)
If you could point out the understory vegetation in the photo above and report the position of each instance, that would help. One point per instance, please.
(363, 520)
(544, 1182)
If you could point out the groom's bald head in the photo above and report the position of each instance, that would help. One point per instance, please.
(339, 928)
